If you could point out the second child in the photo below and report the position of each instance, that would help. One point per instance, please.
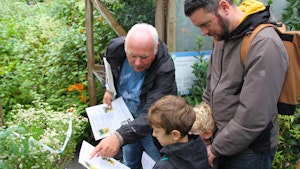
(204, 124)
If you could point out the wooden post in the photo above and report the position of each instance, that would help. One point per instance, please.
(171, 25)
(160, 18)
(93, 69)
(90, 52)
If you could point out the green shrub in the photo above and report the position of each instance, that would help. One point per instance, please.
(130, 12)
(291, 15)
(38, 137)
(200, 71)
(288, 153)
(43, 53)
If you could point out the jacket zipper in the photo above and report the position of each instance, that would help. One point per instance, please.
(221, 72)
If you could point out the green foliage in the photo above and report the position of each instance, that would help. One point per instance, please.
(130, 12)
(31, 2)
(270, 2)
(28, 129)
(43, 53)
(291, 15)
(237, 2)
(288, 153)
(200, 71)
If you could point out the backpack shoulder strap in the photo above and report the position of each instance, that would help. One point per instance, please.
(247, 40)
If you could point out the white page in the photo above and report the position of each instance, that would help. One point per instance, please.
(109, 83)
(147, 161)
(97, 162)
(106, 121)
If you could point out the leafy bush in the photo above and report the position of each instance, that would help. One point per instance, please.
(199, 70)
(291, 15)
(130, 12)
(38, 137)
(43, 55)
(288, 153)
(34, 60)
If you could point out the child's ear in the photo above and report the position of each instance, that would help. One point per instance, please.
(207, 135)
(176, 135)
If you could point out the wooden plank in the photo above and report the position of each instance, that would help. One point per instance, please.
(109, 18)
(171, 25)
(99, 72)
(90, 52)
(99, 67)
(160, 18)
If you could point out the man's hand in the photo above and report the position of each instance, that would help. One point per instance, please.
(211, 156)
(107, 99)
(108, 147)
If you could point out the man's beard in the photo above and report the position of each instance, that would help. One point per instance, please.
(224, 23)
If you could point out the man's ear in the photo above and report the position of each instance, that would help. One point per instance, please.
(176, 135)
(223, 6)
(158, 44)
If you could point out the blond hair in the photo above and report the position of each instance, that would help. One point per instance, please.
(204, 118)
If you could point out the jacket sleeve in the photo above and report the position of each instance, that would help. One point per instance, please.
(255, 118)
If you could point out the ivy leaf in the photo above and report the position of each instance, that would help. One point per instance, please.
(15, 149)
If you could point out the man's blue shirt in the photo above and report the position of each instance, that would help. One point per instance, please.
(129, 87)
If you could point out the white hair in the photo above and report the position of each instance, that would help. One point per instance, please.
(144, 27)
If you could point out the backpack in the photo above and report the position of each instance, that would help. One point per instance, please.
(291, 88)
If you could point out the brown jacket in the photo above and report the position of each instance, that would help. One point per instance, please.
(244, 97)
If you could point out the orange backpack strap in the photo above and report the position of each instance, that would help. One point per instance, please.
(247, 40)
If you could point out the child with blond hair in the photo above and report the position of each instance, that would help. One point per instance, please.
(204, 124)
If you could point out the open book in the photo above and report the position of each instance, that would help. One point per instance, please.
(107, 163)
(105, 121)
(97, 162)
